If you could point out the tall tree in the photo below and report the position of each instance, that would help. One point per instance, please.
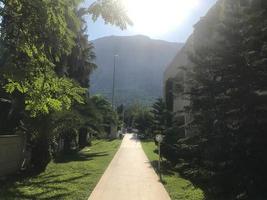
(112, 11)
(34, 37)
(162, 118)
(228, 98)
(81, 59)
(45, 59)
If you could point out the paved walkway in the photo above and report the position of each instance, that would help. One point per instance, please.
(129, 176)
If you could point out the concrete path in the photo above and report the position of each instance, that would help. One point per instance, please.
(129, 176)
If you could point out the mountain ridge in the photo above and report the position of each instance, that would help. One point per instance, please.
(137, 36)
(140, 65)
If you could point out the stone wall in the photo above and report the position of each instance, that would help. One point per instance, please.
(11, 153)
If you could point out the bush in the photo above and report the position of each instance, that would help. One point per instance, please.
(168, 148)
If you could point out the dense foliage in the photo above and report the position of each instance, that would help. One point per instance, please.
(228, 102)
(149, 120)
(133, 113)
(162, 118)
(45, 63)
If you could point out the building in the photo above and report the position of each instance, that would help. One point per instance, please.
(177, 75)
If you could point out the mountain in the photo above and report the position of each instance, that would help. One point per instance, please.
(140, 65)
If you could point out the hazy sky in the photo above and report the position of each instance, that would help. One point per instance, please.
(178, 33)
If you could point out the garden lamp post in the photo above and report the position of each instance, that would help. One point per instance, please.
(114, 78)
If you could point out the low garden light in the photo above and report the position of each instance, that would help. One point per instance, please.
(159, 139)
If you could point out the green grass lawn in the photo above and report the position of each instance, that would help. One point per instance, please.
(177, 187)
(73, 177)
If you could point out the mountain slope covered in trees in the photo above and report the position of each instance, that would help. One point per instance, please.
(140, 64)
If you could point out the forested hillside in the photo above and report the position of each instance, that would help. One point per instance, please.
(140, 64)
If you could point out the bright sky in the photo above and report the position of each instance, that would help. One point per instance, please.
(170, 20)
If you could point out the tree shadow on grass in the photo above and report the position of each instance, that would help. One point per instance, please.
(164, 167)
(57, 181)
(17, 194)
(165, 170)
(72, 157)
(45, 187)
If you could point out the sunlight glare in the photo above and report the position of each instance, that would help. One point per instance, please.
(156, 17)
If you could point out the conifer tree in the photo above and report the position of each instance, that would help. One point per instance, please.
(161, 116)
(229, 100)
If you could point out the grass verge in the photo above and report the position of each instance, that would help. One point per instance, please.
(74, 176)
(177, 187)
